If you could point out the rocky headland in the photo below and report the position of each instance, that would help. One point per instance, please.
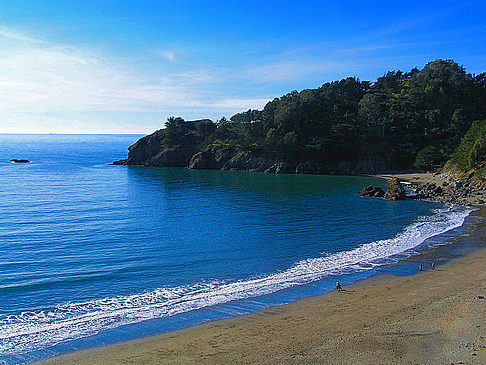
(451, 183)
(153, 150)
(349, 127)
(414, 120)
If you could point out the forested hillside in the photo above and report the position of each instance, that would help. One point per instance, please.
(403, 120)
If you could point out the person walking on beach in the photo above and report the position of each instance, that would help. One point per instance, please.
(338, 286)
(420, 267)
(433, 265)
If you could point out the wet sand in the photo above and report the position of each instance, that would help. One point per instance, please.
(433, 317)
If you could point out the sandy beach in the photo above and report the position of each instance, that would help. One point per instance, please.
(418, 177)
(433, 317)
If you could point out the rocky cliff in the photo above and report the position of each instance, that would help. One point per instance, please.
(158, 150)
(395, 190)
(151, 151)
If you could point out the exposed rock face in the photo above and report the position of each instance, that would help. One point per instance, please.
(245, 161)
(372, 191)
(279, 168)
(227, 159)
(152, 150)
(474, 177)
(142, 151)
(395, 190)
(199, 161)
(309, 167)
(211, 158)
(176, 156)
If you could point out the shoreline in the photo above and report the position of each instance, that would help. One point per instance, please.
(432, 187)
(440, 311)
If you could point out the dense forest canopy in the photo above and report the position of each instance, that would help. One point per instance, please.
(412, 119)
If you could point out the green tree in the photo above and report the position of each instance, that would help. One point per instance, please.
(205, 128)
(290, 139)
(174, 131)
(428, 158)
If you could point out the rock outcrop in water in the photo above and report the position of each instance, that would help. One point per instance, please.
(395, 190)
(372, 191)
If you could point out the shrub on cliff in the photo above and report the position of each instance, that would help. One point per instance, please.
(428, 158)
(471, 153)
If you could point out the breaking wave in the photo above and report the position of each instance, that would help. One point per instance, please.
(29, 331)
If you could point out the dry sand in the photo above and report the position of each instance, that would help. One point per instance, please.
(418, 177)
(433, 317)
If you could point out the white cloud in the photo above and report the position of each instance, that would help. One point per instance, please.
(198, 76)
(169, 55)
(53, 78)
(323, 62)
(42, 77)
(14, 35)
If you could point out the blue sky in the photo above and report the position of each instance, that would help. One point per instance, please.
(124, 66)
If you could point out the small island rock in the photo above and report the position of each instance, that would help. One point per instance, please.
(395, 190)
(372, 191)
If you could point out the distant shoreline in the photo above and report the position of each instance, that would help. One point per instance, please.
(382, 319)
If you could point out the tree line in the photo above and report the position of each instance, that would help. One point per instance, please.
(413, 119)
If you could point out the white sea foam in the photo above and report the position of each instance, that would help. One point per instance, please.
(28, 331)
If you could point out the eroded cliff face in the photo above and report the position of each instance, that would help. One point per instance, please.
(144, 150)
(151, 151)
(475, 177)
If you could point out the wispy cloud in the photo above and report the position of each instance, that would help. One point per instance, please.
(45, 81)
(240, 103)
(320, 61)
(44, 77)
(12, 34)
(410, 21)
(169, 55)
(293, 69)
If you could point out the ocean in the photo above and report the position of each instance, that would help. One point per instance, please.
(92, 254)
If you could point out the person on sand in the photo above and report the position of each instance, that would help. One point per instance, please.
(433, 265)
(338, 286)
(420, 267)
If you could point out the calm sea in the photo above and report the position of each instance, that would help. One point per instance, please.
(92, 254)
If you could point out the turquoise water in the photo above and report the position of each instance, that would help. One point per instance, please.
(92, 253)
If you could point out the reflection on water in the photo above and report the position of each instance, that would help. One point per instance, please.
(81, 239)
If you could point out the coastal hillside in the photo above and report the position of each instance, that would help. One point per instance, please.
(403, 120)
(468, 163)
